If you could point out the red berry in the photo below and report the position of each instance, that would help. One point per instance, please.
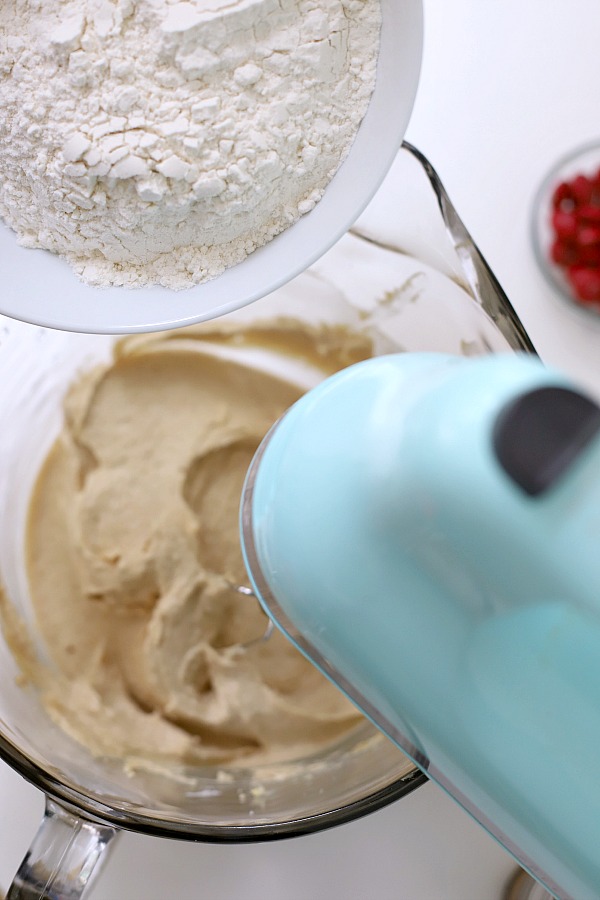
(585, 283)
(589, 213)
(582, 188)
(564, 253)
(588, 256)
(562, 198)
(588, 235)
(564, 224)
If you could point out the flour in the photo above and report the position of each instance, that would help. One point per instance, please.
(156, 142)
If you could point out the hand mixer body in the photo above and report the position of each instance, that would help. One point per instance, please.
(455, 603)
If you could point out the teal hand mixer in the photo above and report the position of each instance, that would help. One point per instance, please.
(426, 529)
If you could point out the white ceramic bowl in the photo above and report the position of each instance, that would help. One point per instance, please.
(39, 287)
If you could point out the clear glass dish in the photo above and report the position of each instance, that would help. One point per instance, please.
(440, 295)
(584, 161)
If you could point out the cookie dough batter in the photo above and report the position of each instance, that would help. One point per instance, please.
(133, 555)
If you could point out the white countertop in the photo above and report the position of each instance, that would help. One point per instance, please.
(506, 88)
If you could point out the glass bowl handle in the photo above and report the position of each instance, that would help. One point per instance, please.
(65, 855)
(413, 214)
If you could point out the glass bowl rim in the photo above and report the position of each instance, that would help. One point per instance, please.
(86, 807)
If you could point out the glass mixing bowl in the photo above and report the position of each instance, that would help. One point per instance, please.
(439, 296)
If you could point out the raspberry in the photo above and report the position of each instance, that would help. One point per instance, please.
(589, 213)
(585, 283)
(564, 253)
(563, 198)
(589, 256)
(564, 224)
(582, 188)
(588, 235)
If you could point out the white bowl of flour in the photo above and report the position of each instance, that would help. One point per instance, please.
(164, 163)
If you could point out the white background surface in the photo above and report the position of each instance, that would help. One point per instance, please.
(507, 86)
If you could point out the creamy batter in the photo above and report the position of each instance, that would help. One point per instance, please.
(133, 554)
